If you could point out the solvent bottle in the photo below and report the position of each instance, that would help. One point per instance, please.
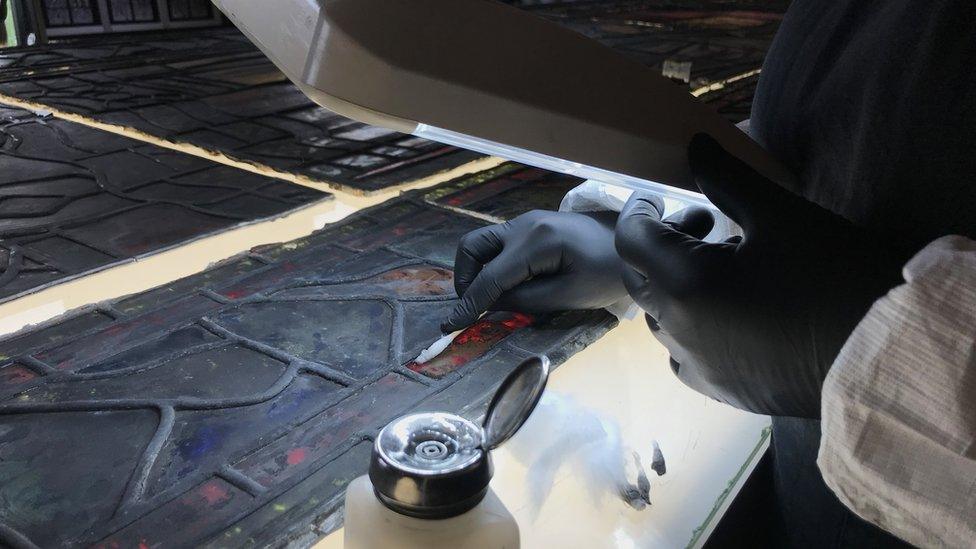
(429, 477)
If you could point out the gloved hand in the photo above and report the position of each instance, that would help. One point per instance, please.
(542, 262)
(754, 322)
(538, 262)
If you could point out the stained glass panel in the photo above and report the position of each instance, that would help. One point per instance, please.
(74, 199)
(232, 101)
(233, 407)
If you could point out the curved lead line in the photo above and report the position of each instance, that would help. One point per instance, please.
(63, 138)
(235, 193)
(428, 298)
(15, 261)
(136, 487)
(275, 390)
(145, 366)
(134, 111)
(303, 365)
(193, 207)
(85, 171)
(102, 184)
(13, 538)
(353, 279)
(14, 140)
(176, 107)
(398, 321)
(63, 202)
(326, 372)
(394, 349)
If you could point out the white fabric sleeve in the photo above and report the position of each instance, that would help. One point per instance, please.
(899, 404)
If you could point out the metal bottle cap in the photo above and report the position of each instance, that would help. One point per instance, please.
(437, 465)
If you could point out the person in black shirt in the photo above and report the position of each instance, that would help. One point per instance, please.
(872, 105)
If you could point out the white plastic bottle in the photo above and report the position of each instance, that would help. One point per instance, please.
(371, 525)
(428, 482)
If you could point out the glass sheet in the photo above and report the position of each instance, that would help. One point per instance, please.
(232, 407)
(74, 199)
(230, 100)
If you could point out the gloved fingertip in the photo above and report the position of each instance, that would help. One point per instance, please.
(458, 320)
(693, 221)
(653, 199)
(640, 205)
(453, 324)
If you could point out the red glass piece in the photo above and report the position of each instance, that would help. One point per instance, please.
(472, 343)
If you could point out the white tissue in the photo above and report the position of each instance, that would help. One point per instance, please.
(563, 433)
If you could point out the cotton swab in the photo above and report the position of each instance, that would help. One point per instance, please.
(436, 348)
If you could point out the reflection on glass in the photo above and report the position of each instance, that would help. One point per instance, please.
(552, 163)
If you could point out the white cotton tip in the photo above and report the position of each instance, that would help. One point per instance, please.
(436, 348)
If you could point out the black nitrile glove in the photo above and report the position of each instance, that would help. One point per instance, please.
(536, 263)
(539, 262)
(755, 322)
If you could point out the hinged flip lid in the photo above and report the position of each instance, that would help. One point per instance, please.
(514, 401)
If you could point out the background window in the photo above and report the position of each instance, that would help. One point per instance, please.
(189, 10)
(71, 13)
(133, 11)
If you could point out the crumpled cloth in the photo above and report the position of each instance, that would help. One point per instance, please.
(898, 444)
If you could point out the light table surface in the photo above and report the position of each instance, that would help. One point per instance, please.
(560, 474)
